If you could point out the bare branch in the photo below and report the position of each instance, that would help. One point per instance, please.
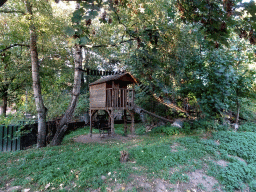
(12, 11)
(110, 45)
(14, 45)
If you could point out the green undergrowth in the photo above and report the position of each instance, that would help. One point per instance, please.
(239, 148)
(77, 166)
(247, 127)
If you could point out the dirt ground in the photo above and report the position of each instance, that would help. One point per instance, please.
(198, 180)
(97, 138)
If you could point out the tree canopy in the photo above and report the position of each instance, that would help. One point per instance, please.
(194, 53)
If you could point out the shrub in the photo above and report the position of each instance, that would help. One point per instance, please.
(168, 130)
(186, 128)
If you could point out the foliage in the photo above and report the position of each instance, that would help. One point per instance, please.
(141, 130)
(248, 127)
(247, 110)
(236, 174)
(217, 18)
(82, 105)
(168, 130)
(12, 119)
(85, 163)
(240, 145)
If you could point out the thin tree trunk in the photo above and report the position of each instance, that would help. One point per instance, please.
(41, 110)
(4, 106)
(237, 111)
(63, 125)
(84, 85)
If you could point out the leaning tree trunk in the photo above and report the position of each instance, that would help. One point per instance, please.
(63, 125)
(41, 110)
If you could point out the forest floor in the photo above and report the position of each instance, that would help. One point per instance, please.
(206, 161)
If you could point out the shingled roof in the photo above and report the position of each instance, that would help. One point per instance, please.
(112, 78)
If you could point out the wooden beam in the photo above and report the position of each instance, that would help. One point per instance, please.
(138, 109)
(112, 123)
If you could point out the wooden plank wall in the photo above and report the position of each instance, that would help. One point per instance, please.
(98, 95)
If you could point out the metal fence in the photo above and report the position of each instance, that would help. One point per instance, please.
(24, 135)
(9, 139)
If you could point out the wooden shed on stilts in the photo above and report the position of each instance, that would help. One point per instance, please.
(112, 93)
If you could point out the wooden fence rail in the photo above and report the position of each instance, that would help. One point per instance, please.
(9, 140)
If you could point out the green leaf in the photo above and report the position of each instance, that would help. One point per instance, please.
(84, 40)
(70, 31)
(92, 14)
(77, 15)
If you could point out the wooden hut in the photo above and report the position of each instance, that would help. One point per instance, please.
(111, 93)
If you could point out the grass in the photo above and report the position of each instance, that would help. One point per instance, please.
(76, 166)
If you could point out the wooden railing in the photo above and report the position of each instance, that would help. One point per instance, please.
(120, 98)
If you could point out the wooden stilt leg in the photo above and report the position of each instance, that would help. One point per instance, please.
(132, 124)
(132, 128)
(90, 123)
(112, 123)
(125, 123)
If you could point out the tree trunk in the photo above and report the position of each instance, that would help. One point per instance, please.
(63, 125)
(41, 110)
(85, 85)
(237, 111)
(3, 108)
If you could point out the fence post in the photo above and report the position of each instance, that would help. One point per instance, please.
(9, 137)
(14, 139)
(18, 140)
(5, 139)
(1, 137)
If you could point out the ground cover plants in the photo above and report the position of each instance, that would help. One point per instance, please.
(170, 158)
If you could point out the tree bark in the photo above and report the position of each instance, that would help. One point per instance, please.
(237, 111)
(41, 110)
(63, 125)
(3, 108)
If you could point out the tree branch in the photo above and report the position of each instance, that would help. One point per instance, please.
(12, 11)
(14, 45)
(110, 45)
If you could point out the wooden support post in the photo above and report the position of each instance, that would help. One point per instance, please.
(125, 123)
(112, 123)
(90, 123)
(132, 124)
(132, 128)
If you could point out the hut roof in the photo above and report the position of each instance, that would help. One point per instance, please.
(115, 77)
